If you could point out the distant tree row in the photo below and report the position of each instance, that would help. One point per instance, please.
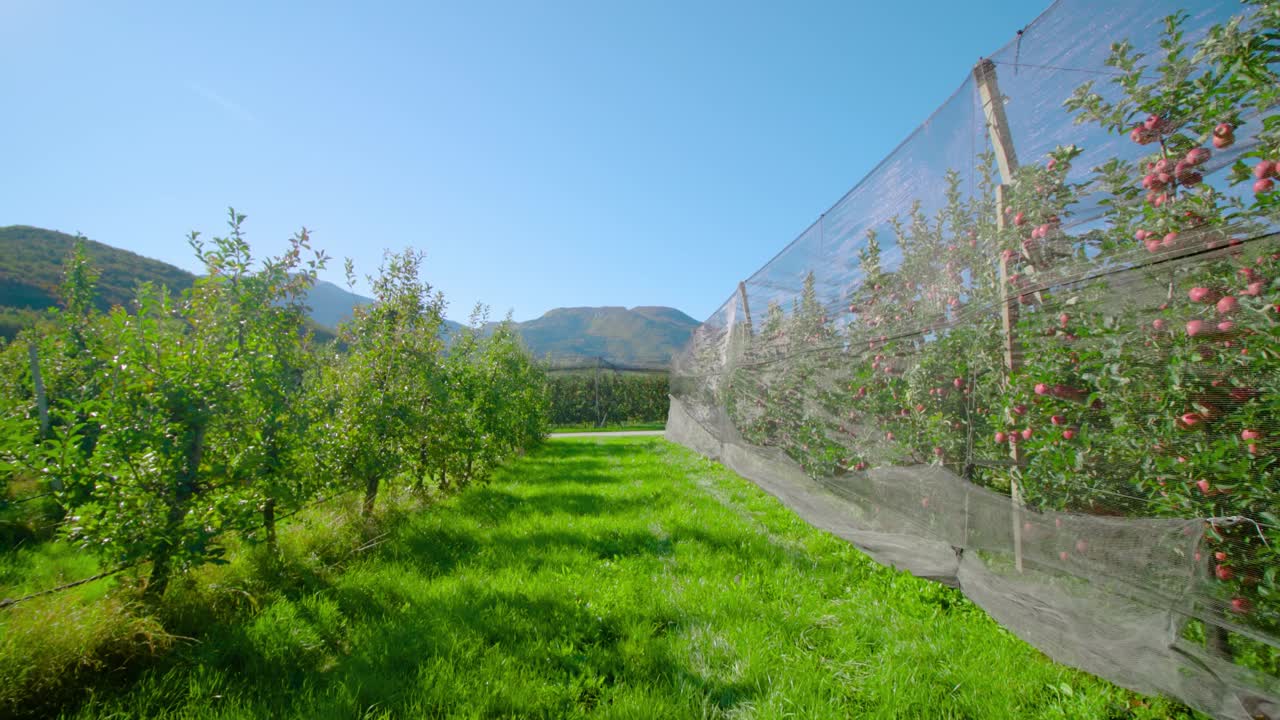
(182, 418)
(603, 397)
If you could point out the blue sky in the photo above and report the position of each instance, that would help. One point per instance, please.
(542, 154)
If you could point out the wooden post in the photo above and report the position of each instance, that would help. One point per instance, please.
(42, 402)
(1012, 363)
(984, 74)
(1008, 299)
(997, 124)
(746, 307)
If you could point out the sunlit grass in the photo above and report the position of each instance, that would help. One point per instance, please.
(597, 577)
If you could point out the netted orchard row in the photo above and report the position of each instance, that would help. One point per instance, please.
(178, 420)
(601, 397)
(1115, 332)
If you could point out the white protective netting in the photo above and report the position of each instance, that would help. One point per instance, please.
(1036, 352)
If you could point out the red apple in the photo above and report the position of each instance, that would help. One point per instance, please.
(1158, 324)
(1068, 434)
(1063, 556)
(1191, 419)
(1220, 556)
(1264, 169)
(1223, 572)
(1224, 130)
(1203, 485)
(1197, 156)
(1020, 219)
(1042, 389)
(1058, 420)
(1263, 186)
(1200, 294)
(1195, 327)
(1243, 394)
(1241, 605)
(1001, 438)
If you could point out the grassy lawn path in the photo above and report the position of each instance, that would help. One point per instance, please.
(616, 578)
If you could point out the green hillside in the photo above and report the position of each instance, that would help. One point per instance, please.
(31, 272)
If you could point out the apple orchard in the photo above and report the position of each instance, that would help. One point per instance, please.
(1104, 337)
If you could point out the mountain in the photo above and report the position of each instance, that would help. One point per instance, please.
(31, 273)
(331, 305)
(31, 269)
(641, 336)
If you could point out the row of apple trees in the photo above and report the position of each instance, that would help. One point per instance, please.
(180, 419)
(600, 397)
(1146, 309)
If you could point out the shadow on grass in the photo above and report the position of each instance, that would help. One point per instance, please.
(368, 632)
(496, 505)
(578, 450)
(549, 640)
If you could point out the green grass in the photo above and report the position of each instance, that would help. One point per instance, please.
(609, 428)
(612, 578)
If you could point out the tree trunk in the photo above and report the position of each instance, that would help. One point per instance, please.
(269, 524)
(370, 495)
(1216, 639)
(162, 557)
(158, 581)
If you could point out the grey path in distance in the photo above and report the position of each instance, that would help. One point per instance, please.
(619, 433)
